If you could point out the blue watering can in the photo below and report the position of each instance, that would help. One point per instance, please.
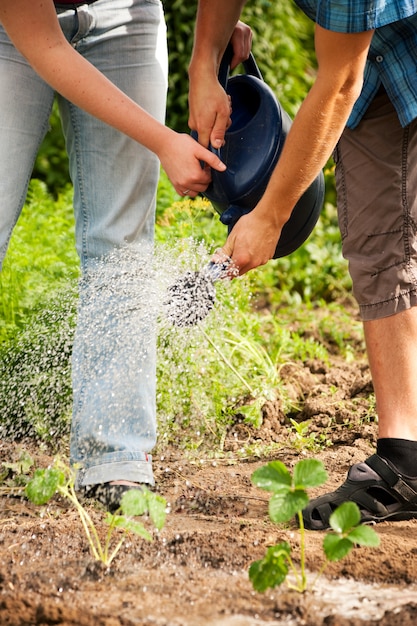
(253, 144)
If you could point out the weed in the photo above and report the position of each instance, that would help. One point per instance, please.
(288, 500)
(61, 479)
(14, 475)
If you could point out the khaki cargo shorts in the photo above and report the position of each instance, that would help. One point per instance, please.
(376, 181)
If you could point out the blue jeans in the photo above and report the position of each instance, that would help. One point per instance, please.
(115, 180)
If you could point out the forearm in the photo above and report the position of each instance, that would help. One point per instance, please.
(309, 144)
(86, 87)
(34, 29)
(209, 105)
(215, 22)
(319, 122)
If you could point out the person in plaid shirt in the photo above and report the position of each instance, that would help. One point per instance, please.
(362, 109)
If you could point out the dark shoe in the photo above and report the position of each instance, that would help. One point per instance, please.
(380, 492)
(108, 494)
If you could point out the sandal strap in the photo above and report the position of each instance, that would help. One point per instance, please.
(392, 478)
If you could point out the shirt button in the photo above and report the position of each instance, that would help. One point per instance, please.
(379, 58)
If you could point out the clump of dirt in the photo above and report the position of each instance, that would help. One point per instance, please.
(194, 573)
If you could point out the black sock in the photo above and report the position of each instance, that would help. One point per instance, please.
(401, 452)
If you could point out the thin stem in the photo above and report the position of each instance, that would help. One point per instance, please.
(116, 549)
(302, 551)
(107, 542)
(319, 573)
(88, 524)
(242, 380)
(112, 525)
(298, 586)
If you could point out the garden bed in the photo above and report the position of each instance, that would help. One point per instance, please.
(194, 573)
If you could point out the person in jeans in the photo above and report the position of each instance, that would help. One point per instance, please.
(362, 108)
(107, 61)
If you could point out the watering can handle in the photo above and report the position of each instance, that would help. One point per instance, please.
(250, 66)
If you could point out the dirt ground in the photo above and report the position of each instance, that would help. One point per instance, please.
(194, 573)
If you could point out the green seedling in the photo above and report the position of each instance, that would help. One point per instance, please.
(61, 479)
(288, 500)
(14, 475)
(306, 440)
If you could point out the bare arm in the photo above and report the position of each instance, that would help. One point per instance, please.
(310, 142)
(209, 105)
(33, 27)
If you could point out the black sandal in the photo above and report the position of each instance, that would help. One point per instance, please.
(108, 494)
(380, 492)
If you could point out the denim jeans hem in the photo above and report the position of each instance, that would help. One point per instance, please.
(139, 471)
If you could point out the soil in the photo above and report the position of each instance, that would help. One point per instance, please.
(194, 573)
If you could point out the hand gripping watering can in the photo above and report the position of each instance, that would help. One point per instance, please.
(253, 144)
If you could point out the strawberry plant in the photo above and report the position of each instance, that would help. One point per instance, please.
(61, 479)
(289, 498)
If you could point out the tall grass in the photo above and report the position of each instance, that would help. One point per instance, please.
(209, 376)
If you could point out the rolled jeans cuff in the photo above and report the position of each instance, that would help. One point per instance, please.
(139, 471)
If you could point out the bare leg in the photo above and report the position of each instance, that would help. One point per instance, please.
(392, 352)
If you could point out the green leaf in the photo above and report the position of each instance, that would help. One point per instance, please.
(130, 525)
(44, 485)
(139, 501)
(157, 509)
(22, 465)
(364, 536)
(345, 517)
(272, 477)
(272, 570)
(253, 412)
(335, 547)
(134, 502)
(309, 473)
(282, 507)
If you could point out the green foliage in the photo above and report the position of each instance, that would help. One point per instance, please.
(289, 498)
(51, 165)
(289, 494)
(41, 258)
(252, 332)
(348, 532)
(37, 317)
(273, 569)
(35, 373)
(306, 440)
(60, 479)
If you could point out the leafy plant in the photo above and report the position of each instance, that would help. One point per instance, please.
(304, 439)
(15, 474)
(288, 500)
(51, 165)
(60, 479)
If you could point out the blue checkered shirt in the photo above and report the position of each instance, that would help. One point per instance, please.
(392, 58)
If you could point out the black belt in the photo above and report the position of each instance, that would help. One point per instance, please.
(72, 5)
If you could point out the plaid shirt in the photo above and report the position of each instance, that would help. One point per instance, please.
(392, 57)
